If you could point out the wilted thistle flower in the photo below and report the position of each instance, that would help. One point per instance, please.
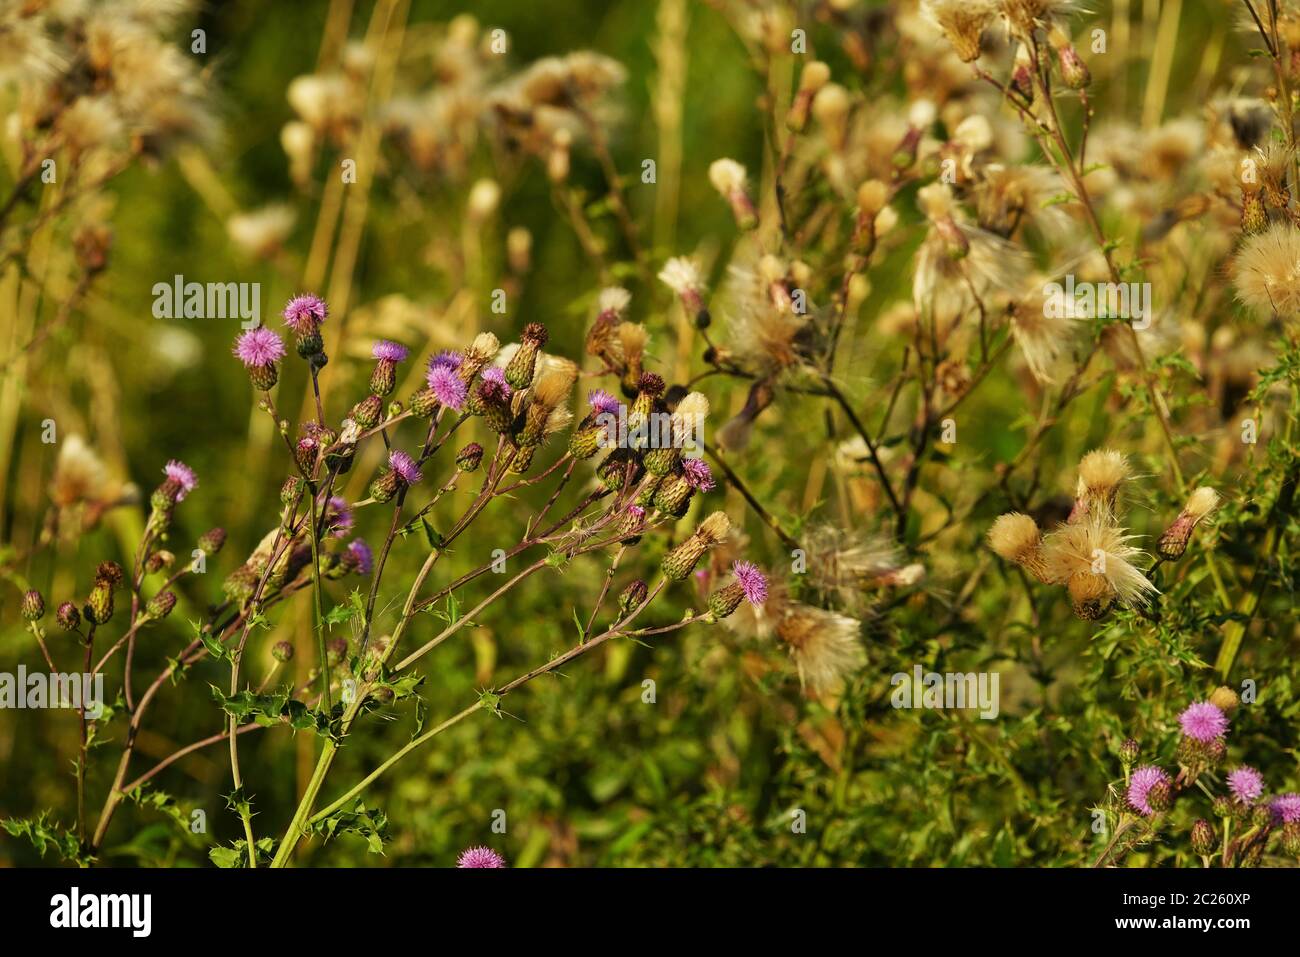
(259, 350)
(728, 178)
(682, 276)
(282, 651)
(1246, 784)
(812, 78)
(1101, 472)
(1092, 559)
(480, 857)
(519, 371)
(1074, 71)
(1024, 17)
(1143, 782)
(304, 314)
(401, 473)
(68, 617)
(1173, 543)
(1266, 271)
(160, 605)
(824, 645)
(469, 457)
(632, 596)
(33, 605)
(963, 23)
(1015, 537)
(749, 585)
(387, 354)
(1203, 722)
(681, 561)
(1203, 838)
(1286, 808)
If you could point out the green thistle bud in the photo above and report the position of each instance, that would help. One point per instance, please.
(212, 541)
(519, 371)
(304, 453)
(158, 561)
(1291, 838)
(368, 411)
(724, 601)
(586, 441)
(68, 617)
(290, 490)
(523, 459)
(495, 407)
(649, 388)
(241, 583)
(282, 651)
(1160, 797)
(384, 379)
(99, 606)
(383, 488)
(1261, 816)
(160, 605)
(1128, 753)
(33, 605)
(1223, 807)
(1203, 839)
(673, 494)
(632, 596)
(681, 561)
(646, 496)
(613, 471)
(469, 458)
(424, 403)
(661, 461)
(264, 377)
(310, 343)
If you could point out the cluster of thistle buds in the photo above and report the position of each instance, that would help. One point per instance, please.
(1091, 552)
(1250, 820)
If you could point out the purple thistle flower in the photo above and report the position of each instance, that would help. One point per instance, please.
(387, 351)
(182, 475)
(447, 386)
(1286, 807)
(1246, 784)
(752, 582)
(1203, 722)
(698, 474)
(480, 857)
(1140, 785)
(259, 347)
(362, 555)
(340, 516)
(304, 313)
(497, 375)
(602, 402)
(404, 466)
(447, 357)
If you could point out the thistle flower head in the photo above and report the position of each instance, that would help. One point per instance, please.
(447, 386)
(714, 528)
(259, 347)
(825, 646)
(1246, 784)
(1201, 503)
(1092, 558)
(613, 300)
(183, 476)
(387, 351)
(752, 582)
(602, 402)
(447, 358)
(681, 275)
(496, 376)
(1101, 473)
(1266, 270)
(1203, 722)
(305, 312)
(404, 466)
(727, 176)
(361, 554)
(1140, 785)
(480, 857)
(962, 22)
(698, 475)
(1286, 807)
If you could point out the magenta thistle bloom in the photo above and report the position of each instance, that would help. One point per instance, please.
(183, 476)
(389, 351)
(1140, 785)
(1286, 807)
(698, 474)
(362, 555)
(1246, 784)
(404, 466)
(447, 386)
(447, 357)
(480, 857)
(1203, 722)
(304, 313)
(752, 581)
(340, 516)
(497, 375)
(602, 402)
(259, 347)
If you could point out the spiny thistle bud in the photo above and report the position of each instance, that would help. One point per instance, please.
(1291, 838)
(649, 388)
(158, 561)
(681, 561)
(241, 583)
(494, 401)
(68, 617)
(672, 494)
(1128, 753)
(290, 490)
(661, 461)
(1223, 807)
(386, 354)
(1173, 543)
(424, 403)
(632, 523)
(1161, 796)
(649, 489)
(480, 352)
(1073, 70)
(160, 605)
(1225, 699)
(99, 606)
(282, 651)
(1203, 839)
(519, 371)
(749, 585)
(613, 472)
(369, 411)
(304, 453)
(469, 458)
(814, 76)
(33, 605)
(1261, 816)
(402, 471)
(587, 440)
(522, 460)
(212, 541)
(632, 596)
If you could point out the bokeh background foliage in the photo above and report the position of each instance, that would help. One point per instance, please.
(587, 772)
